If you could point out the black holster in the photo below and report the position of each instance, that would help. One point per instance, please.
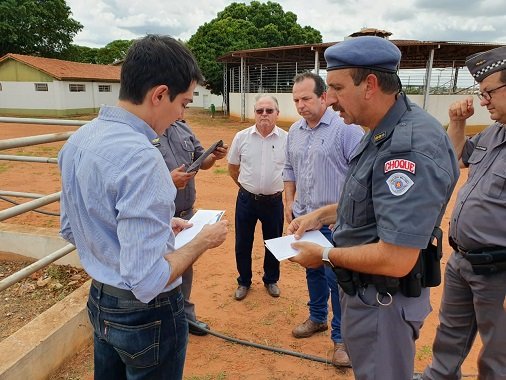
(425, 273)
(345, 280)
(431, 260)
(427, 270)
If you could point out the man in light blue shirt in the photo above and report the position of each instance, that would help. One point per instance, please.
(117, 207)
(318, 152)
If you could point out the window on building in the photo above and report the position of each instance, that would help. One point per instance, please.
(41, 87)
(104, 88)
(195, 93)
(73, 87)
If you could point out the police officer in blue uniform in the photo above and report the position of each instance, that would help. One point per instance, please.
(475, 279)
(180, 148)
(400, 179)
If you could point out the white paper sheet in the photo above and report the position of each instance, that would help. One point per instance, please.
(199, 220)
(281, 247)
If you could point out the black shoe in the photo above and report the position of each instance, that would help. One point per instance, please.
(241, 292)
(273, 289)
(192, 329)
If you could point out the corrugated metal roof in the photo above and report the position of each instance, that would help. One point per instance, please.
(67, 70)
(414, 53)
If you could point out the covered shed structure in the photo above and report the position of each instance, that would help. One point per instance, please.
(271, 70)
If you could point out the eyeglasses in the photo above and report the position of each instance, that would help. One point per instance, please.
(268, 111)
(487, 95)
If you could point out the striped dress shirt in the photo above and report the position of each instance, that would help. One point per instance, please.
(317, 160)
(117, 203)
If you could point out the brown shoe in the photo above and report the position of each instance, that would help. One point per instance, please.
(308, 328)
(273, 290)
(241, 292)
(340, 357)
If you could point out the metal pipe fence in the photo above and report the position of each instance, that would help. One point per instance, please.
(29, 206)
(278, 78)
(39, 200)
(44, 160)
(32, 268)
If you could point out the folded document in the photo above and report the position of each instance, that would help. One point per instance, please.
(282, 249)
(199, 220)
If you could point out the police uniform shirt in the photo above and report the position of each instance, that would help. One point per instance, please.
(400, 180)
(179, 146)
(480, 210)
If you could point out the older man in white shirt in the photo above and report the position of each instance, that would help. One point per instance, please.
(255, 162)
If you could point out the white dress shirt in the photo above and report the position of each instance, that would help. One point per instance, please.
(261, 159)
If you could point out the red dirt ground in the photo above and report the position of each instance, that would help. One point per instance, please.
(258, 318)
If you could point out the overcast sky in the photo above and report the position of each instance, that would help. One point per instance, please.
(435, 20)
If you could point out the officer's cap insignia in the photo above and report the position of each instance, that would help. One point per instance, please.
(399, 183)
(480, 62)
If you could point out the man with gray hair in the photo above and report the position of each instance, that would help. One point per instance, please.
(475, 279)
(255, 163)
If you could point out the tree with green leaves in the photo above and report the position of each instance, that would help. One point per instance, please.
(83, 54)
(113, 51)
(36, 27)
(240, 26)
(110, 53)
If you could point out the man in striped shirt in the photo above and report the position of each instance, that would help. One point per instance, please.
(318, 150)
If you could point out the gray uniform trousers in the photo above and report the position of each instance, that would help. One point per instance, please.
(471, 303)
(186, 287)
(381, 339)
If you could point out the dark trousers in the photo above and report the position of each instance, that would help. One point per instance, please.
(248, 211)
(135, 340)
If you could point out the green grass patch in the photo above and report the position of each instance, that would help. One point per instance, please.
(220, 171)
(219, 376)
(424, 352)
(4, 167)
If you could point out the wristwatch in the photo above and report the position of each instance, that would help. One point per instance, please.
(325, 256)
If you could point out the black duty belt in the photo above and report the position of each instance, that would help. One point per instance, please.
(260, 197)
(182, 214)
(486, 260)
(123, 293)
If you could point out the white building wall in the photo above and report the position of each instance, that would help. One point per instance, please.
(107, 98)
(58, 97)
(204, 99)
(23, 95)
(76, 100)
(437, 107)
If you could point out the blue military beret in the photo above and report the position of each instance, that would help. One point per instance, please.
(366, 52)
(481, 65)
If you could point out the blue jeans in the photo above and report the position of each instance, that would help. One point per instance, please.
(322, 282)
(134, 340)
(247, 212)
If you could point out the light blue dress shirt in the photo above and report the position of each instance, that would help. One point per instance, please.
(317, 160)
(117, 203)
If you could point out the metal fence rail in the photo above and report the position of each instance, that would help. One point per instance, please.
(278, 78)
(27, 271)
(39, 200)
